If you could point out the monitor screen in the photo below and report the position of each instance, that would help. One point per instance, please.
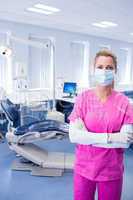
(70, 88)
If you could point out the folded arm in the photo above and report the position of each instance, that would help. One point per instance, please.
(79, 134)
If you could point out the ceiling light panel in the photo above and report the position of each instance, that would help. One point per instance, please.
(39, 11)
(108, 23)
(45, 7)
(100, 25)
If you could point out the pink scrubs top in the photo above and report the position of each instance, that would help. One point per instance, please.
(98, 163)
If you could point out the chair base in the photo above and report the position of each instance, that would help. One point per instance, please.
(41, 162)
(36, 170)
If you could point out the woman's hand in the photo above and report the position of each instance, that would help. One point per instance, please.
(79, 124)
(124, 136)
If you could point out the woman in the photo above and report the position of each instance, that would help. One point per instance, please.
(95, 124)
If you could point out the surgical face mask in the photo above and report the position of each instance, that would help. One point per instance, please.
(104, 77)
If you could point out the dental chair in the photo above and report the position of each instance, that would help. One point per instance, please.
(21, 140)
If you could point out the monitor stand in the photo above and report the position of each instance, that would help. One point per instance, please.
(68, 96)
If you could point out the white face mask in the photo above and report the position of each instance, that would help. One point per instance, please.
(104, 77)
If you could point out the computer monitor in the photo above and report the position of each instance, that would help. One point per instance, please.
(70, 88)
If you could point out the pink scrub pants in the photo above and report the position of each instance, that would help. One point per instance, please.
(84, 189)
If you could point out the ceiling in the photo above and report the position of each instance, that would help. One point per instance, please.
(75, 16)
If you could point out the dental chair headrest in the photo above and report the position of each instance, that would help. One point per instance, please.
(10, 110)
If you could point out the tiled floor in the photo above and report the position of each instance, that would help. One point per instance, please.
(16, 185)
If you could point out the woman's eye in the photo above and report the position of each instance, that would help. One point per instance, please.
(110, 68)
(100, 67)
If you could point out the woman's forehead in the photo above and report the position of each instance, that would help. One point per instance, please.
(104, 60)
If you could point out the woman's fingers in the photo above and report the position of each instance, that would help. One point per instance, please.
(130, 137)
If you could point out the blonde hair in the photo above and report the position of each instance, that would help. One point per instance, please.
(106, 53)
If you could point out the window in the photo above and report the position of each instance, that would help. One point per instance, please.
(40, 64)
(124, 66)
(80, 62)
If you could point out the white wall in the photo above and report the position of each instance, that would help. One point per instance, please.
(63, 42)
